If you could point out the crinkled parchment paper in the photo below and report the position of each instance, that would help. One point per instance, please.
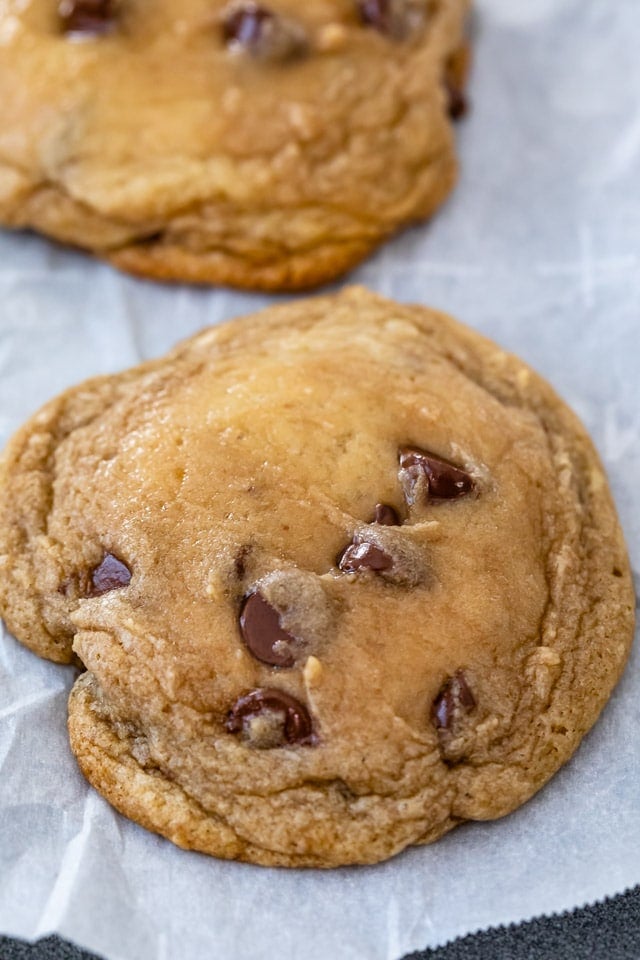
(539, 248)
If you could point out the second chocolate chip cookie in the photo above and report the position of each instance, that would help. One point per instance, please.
(266, 145)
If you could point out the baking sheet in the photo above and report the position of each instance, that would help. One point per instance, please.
(539, 249)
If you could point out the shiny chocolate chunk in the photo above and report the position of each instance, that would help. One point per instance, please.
(453, 702)
(363, 555)
(263, 635)
(386, 516)
(394, 18)
(245, 24)
(426, 477)
(269, 718)
(110, 574)
(86, 17)
(255, 29)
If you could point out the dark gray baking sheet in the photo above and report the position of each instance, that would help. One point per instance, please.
(603, 931)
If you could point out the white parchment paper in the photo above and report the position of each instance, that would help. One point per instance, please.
(539, 249)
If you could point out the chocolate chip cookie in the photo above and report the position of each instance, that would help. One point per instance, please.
(263, 145)
(339, 575)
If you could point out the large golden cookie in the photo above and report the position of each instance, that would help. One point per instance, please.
(341, 575)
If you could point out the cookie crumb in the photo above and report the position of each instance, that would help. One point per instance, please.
(312, 671)
(332, 38)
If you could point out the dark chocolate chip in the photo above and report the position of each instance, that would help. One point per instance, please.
(362, 555)
(258, 31)
(86, 17)
(377, 14)
(424, 475)
(454, 81)
(110, 574)
(394, 18)
(270, 718)
(386, 516)
(457, 104)
(244, 24)
(454, 700)
(263, 635)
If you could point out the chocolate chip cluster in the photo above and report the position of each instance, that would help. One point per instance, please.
(260, 33)
(270, 717)
(424, 478)
(255, 28)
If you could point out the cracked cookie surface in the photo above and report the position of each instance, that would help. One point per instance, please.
(262, 146)
(341, 575)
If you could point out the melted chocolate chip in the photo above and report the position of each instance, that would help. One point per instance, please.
(263, 635)
(394, 18)
(376, 13)
(454, 700)
(110, 574)
(386, 516)
(424, 476)
(86, 17)
(457, 104)
(244, 24)
(270, 718)
(256, 30)
(362, 555)
(455, 75)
